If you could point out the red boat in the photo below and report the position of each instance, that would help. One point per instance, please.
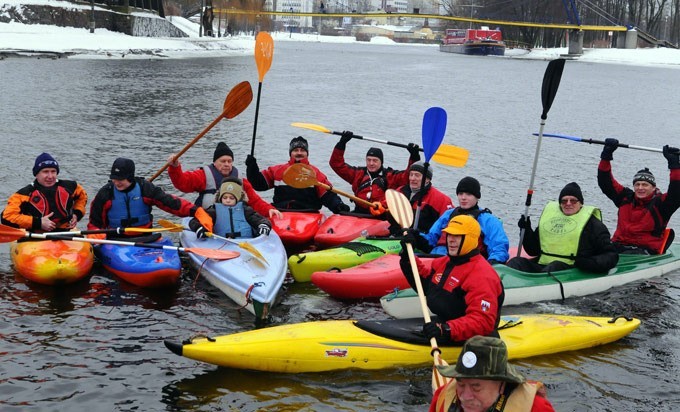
(340, 229)
(478, 42)
(297, 229)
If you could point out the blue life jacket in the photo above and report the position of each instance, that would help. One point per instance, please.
(128, 209)
(230, 221)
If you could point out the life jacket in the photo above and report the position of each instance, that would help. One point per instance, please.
(230, 221)
(128, 209)
(520, 398)
(213, 179)
(560, 234)
(474, 212)
(61, 204)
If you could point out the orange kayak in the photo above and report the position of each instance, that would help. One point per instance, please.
(52, 262)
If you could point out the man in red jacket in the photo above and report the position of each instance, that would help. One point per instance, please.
(485, 381)
(644, 211)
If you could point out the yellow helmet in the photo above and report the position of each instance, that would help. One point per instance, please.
(468, 227)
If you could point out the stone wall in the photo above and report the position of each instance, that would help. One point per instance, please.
(143, 26)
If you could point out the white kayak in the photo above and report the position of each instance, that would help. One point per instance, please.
(251, 282)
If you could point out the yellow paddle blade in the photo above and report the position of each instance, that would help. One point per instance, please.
(311, 126)
(169, 226)
(253, 251)
(451, 155)
(438, 380)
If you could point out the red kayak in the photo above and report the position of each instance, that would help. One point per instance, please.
(340, 229)
(297, 229)
(373, 279)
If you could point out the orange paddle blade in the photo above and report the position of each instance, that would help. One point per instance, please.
(212, 253)
(10, 234)
(264, 53)
(299, 176)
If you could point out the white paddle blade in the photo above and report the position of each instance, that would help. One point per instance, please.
(399, 207)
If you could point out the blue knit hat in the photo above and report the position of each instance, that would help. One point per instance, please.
(44, 161)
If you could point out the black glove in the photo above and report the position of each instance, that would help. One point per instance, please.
(263, 229)
(414, 151)
(439, 331)
(411, 236)
(342, 208)
(672, 154)
(344, 138)
(524, 222)
(251, 162)
(201, 233)
(609, 146)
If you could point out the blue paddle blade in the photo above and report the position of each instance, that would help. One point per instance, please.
(434, 129)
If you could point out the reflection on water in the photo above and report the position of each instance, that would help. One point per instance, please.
(98, 344)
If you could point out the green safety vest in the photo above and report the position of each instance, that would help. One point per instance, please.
(560, 234)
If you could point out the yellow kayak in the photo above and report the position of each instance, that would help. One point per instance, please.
(346, 344)
(52, 262)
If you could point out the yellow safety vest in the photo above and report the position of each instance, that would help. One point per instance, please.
(560, 234)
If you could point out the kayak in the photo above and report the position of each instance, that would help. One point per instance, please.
(297, 229)
(247, 280)
(368, 280)
(140, 266)
(361, 250)
(347, 344)
(523, 287)
(342, 228)
(52, 262)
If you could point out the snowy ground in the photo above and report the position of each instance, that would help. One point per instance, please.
(22, 39)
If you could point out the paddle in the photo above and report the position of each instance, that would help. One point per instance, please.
(402, 212)
(593, 141)
(446, 154)
(237, 100)
(9, 234)
(264, 53)
(120, 230)
(243, 245)
(551, 82)
(433, 131)
(300, 176)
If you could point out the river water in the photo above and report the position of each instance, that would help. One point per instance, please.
(98, 345)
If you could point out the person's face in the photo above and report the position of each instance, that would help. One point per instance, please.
(121, 184)
(415, 179)
(643, 189)
(47, 177)
(228, 199)
(477, 395)
(466, 200)
(372, 163)
(453, 244)
(224, 164)
(570, 205)
(298, 154)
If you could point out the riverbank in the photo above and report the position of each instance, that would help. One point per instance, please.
(23, 40)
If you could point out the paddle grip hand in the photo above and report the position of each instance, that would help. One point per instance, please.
(439, 331)
(672, 154)
(414, 151)
(344, 138)
(377, 209)
(201, 233)
(524, 223)
(610, 145)
(263, 229)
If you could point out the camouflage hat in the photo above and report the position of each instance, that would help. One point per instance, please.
(483, 357)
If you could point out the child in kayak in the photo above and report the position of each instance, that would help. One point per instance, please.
(231, 216)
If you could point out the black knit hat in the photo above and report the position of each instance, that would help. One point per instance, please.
(375, 152)
(222, 150)
(644, 175)
(571, 189)
(420, 167)
(123, 169)
(469, 185)
(44, 161)
(298, 142)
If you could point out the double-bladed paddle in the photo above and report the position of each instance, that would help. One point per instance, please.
(242, 244)
(300, 176)
(237, 101)
(10, 234)
(601, 142)
(551, 82)
(445, 154)
(264, 53)
(402, 212)
(123, 230)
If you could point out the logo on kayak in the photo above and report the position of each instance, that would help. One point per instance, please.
(336, 353)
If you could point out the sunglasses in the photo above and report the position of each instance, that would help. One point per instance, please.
(568, 201)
